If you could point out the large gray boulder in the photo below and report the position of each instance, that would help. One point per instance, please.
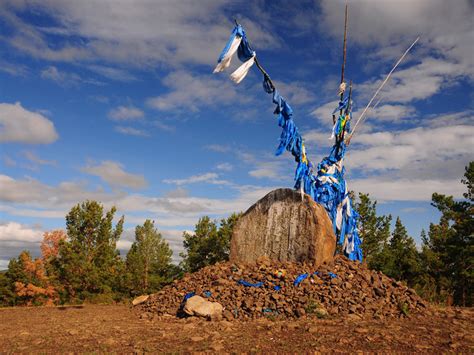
(282, 226)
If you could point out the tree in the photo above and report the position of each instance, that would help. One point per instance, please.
(88, 262)
(32, 285)
(7, 291)
(374, 230)
(148, 260)
(50, 244)
(451, 244)
(401, 255)
(209, 244)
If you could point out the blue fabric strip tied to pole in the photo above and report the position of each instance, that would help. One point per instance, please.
(328, 186)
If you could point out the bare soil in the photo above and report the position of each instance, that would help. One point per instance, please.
(120, 328)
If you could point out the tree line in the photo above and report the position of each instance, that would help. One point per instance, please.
(83, 264)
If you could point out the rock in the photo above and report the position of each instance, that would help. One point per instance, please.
(198, 306)
(321, 313)
(197, 338)
(313, 330)
(139, 299)
(282, 227)
(308, 299)
(228, 315)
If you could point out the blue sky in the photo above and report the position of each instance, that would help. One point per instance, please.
(116, 101)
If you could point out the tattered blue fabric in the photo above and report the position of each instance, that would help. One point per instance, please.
(342, 105)
(249, 284)
(244, 52)
(237, 31)
(299, 279)
(328, 186)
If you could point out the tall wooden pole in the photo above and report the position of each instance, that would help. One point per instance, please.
(344, 49)
(343, 64)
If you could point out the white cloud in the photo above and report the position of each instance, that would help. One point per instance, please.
(192, 92)
(295, 93)
(443, 26)
(32, 157)
(268, 170)
(34, 193)
(219, 148)
(388, 113)
(406, 189)
(140, 33)
(179, 192)
(412, 149)
(16, 232)
(417, 82)
(113, 173)
(324, 113)
(125, 113)
(225, 167)
(66, 79)
(13, 69)
(131, 131)
(386, 28)
(112, 73)
(17, 124)
(209, 178)
(163, 126)
(414, 209)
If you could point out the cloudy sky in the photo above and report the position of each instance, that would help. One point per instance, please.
(115, 100)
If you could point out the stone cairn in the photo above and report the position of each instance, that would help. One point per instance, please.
(282, 266)
(344, 289)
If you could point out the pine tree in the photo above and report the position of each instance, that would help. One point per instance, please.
(374, 231)
(451, 244)
(402, 257)
(7, 290)
(148, 260)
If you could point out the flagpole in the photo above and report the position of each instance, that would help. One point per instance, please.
(343, 67)
(344, 45)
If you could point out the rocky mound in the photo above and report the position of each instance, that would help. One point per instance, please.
(290, 290)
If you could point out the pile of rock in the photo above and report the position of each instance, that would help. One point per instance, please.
(290, 290)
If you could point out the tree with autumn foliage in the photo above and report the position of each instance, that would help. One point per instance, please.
(50, 244)
(35, 287)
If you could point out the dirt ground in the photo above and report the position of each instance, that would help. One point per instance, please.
(119, 328)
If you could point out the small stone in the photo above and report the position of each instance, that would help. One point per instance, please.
(321, 313)
(379, 292)
(228, 315)
(300, 312)
(218, 346)
(353, 317)
(140, 299)
(197, 338)
(313, 330)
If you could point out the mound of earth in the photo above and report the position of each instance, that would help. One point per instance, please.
(290, 290)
